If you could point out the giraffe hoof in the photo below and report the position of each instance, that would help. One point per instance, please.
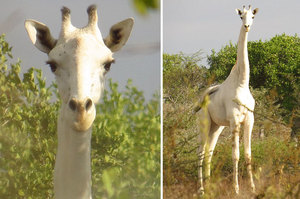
(201, 191)
(236, 190)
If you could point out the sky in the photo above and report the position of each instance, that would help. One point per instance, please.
(193, 25)
(188, 26)
(138, 60)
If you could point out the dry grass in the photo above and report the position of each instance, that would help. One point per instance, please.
(275, 186)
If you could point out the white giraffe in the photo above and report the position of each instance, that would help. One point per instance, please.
(231, 104)
(79, 59)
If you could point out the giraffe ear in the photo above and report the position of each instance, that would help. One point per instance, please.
(238, 11)
(255, 11)
(119, 34)
(40, 35)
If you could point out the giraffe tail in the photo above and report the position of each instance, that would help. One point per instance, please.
(202, 100)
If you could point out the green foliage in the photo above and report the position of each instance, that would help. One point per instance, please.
(275, 64)
(143, 6)
(127, 145)
(220, 63)
(27, 131)
(268, 114)
(125, 142)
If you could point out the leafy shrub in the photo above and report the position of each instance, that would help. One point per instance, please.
(126, 145)
(27, 135)
(125, 142)
(268, 115)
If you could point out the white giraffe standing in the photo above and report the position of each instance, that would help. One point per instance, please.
(79, 59)
(231, 104)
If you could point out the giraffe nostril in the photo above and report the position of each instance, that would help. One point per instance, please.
(73, 104)
(88, 104)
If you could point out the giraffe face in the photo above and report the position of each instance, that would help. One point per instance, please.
(79, 64)
(79, 59)
(247, 17)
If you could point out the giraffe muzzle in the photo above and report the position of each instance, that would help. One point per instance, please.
(247, 28)
(84, 113)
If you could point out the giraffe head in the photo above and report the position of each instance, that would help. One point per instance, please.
(247, 16)
(79, 59)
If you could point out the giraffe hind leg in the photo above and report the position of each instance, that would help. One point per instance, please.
(215, 132)
(201, 154)
(203, 121)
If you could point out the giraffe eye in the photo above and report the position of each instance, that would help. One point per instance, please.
(241, 17)
(52, 65)
(253, 17)
(107, 65)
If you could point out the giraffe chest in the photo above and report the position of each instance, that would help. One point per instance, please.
(232, 89)
(243, 97)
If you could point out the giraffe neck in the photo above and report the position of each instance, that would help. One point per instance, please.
(72, 173)
(242, 59)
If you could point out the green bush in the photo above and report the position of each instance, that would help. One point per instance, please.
(125, 142)
(27, 131)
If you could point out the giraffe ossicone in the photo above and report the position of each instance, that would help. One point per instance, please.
(231, 104)
(79, 59)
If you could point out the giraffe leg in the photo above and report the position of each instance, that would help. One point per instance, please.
(215, 131)
(201, 154)
(203, 129)
(248, 125)
(235, 128)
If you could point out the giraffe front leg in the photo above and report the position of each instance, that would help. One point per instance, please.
(248, 125)
(235, 156)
